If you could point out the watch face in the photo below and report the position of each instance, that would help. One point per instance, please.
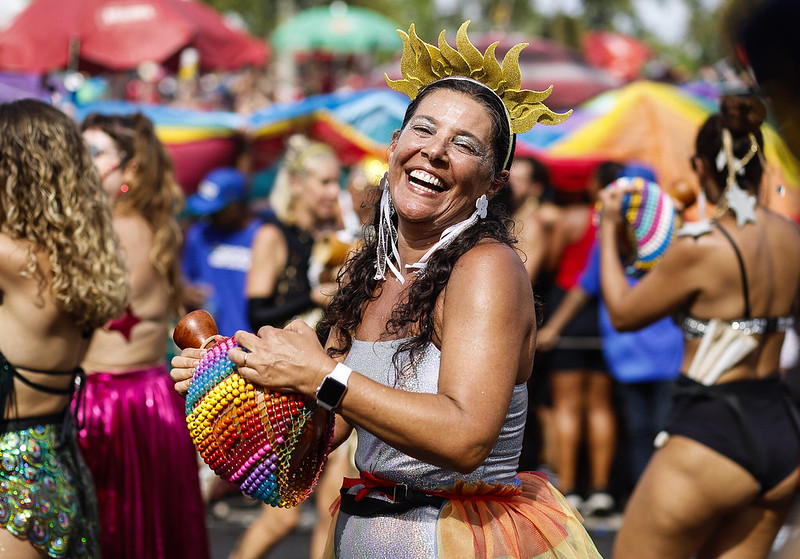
(330, 392)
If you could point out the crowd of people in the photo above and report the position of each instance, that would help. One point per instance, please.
(498, 369)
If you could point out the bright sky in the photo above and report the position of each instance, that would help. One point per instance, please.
(665, 18)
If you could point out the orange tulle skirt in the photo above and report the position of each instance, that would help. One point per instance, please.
(531, 520)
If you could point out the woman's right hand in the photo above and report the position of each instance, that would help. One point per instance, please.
(289, 359)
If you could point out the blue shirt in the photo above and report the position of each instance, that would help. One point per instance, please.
(221, 260)
(653, 353)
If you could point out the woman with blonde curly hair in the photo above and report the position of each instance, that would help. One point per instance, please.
(61, 277)
(151, 507)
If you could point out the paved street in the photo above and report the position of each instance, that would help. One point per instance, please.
(228, 518)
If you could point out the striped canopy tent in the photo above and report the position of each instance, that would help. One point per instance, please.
(656, 124)
(356, 123)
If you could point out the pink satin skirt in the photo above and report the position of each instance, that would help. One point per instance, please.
(137, 446)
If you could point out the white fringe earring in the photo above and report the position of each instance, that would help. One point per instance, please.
(387, 237)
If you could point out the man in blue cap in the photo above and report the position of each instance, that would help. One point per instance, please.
(217, 249)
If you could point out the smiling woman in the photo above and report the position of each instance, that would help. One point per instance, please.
(429, 362)
(441, 164)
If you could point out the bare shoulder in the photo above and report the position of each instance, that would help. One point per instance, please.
(689, 258)
(783, 236)
(490, 253)
(689, 250)
(491, 268)
(488, 306)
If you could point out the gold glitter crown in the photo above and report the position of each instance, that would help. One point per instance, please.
(423, 64)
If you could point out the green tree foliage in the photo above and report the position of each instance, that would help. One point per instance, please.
(600, 14)
(703, 44)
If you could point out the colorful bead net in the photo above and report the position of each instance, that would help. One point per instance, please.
(270, 445)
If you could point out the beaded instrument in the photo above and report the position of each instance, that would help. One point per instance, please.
(653, 218)
(272, 446)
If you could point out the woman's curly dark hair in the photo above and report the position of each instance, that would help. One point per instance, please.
(416, 312)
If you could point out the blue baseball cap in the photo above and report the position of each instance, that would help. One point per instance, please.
(218, 190)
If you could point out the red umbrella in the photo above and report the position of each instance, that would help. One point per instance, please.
(117, 35)
(618, 54)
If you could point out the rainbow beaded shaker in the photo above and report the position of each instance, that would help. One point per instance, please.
(272, 446)
(651, 214)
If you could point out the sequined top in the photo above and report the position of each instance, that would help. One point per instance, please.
(695, 327)
(374, 360)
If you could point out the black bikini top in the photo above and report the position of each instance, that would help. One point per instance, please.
(9, 372)
(695, 327)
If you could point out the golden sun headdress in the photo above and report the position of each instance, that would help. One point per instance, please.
(423, 64)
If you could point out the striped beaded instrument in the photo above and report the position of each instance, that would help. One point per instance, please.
(271, 445)
(652, 216)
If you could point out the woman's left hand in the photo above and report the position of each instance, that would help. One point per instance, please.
(286, 360)
(183, 367)
(611, 204)
(611, 199)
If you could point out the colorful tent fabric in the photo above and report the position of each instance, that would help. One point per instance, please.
(356, 123)
(648, 122)
(656, 124)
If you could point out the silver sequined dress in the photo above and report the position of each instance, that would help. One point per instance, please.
(412, 534)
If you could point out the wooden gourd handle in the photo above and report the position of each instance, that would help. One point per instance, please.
(195, 329)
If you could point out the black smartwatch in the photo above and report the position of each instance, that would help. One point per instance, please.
(333, 387)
